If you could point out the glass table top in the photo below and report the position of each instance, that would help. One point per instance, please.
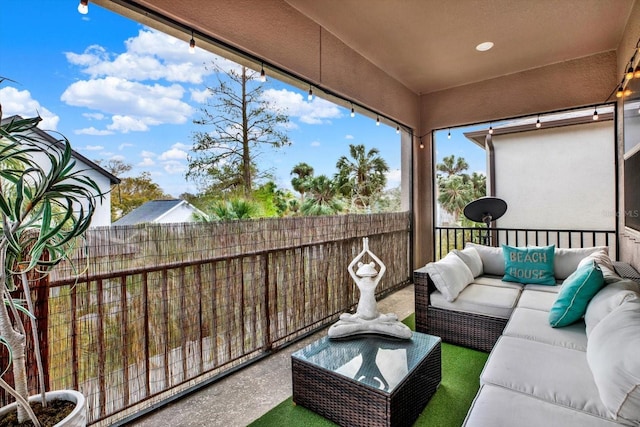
(375, 361)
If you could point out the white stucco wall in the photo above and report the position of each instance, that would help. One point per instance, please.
(562, 178)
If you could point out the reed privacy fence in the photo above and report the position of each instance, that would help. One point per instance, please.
(162, 308)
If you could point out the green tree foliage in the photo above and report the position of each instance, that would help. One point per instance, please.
(323, 199)
(456, 188)
(302, 179)
(361, 178)
(239, 123)
(132, 192)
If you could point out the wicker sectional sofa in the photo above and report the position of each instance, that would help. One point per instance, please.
(586, 373)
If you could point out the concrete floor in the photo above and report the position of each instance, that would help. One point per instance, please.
(243, 397)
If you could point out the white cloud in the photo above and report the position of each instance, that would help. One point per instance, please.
(174, 167)
(20, 102)
(92, 147)
(182, 146)
(146, 161)
(349, 137)
(315, 144)
(393, 178)
(92, 131)
(146, 153)
(135, 106)
(173, 154)
(93, 116)
(124, 145)
(118, 157)
(317, 111)
(200, 96)
(151, 55)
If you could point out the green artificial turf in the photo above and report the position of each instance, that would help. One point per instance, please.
(447, 408)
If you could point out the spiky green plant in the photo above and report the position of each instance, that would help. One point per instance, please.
(44, 206)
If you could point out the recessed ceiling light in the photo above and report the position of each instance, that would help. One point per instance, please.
(482, 47)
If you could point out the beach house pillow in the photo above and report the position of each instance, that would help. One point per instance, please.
(566, 260)
(608, 299)
(471, 257)
(612, 354)
(450, 275)
(492, 258)
(575, 293)
(532, 264)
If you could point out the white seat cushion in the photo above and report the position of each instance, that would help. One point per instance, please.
(551, 373)
(480, 299)
(537, 300)
(534, 325)
(496, 281)
(500, 407)
(544, 288)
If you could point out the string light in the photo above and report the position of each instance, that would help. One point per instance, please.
(538, 124)
(421, 144)
(397, 129)
(310, 96)
(378, 121)
(192, 44)
(595, 114)
(449, 134)
(353, 112)
(619, 92)
(263, 75)
(83, 7)
(629, 74)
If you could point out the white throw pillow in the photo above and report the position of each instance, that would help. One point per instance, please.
(566, 260)
(471, 257)
(492, 258)
(608, 299)
(450, 275)
(601, 258)
(612, 354)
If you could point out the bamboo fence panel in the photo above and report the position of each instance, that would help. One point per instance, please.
(157, 309)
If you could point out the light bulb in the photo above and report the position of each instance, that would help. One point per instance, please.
(421, 144)
(490, 130)
(353, 112)
(263, 75)
(627, 92)
(397, 129)
(538, 124)
(310, 96)
(629, 74)
(192, 45)
(449, 134)
(595, 114)
(378, 121)
(83, 7)
(620, 92)
(636, 74)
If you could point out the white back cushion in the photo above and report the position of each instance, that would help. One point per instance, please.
(450, 275)
(566, 260)
(492, 258)
(471, 257)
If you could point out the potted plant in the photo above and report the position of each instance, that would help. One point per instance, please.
(45, 206)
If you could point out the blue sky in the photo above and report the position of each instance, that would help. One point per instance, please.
(120, 90)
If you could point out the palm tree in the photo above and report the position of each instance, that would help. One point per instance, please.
(361, 178)
(323, 198)
(301, 182)
(454, 195)
(478, 183)
(451, 166)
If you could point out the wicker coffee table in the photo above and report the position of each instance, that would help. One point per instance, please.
(369, 380)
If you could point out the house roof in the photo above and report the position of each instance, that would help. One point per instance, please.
(151, 211)
(52, 140)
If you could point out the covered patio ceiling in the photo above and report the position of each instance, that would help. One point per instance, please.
(429, 45)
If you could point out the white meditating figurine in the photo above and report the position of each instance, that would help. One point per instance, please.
(367, 319)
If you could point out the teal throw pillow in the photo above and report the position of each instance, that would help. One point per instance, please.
(529, 265)
(575, 294)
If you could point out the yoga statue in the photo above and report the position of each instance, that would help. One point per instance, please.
(367, 319)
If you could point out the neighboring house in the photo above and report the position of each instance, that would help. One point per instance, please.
(547, 175)
(161, 211)
(104, 179)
